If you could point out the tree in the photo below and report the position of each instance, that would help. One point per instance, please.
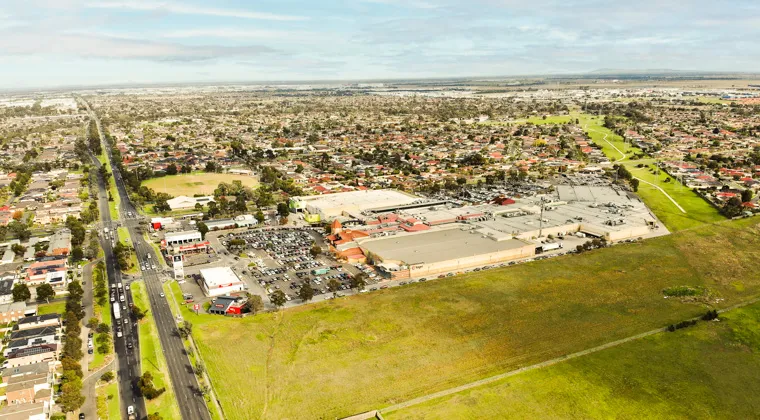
(283, 209)
(18, 249)
(203, 229)
(45, 292)
(333, 285)
(358, 281)
(145, 384)
(77, 254)
(315, 250)
(199, 369)
(138, 313)
(306, 293)
(635, 184)
(155, 416)
(171, 169)
(253, 304)
(185, 330)
(107, 377)
(71, 396)
(278, 298)
(21, 292)
(260, 216)
(746, 196)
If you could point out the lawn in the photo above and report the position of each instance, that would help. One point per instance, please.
(196, 183)
(51, 308)
(109, 406)
(707, 371)
(152, 358)
(126, 240)
(341, 357)
(698, 211)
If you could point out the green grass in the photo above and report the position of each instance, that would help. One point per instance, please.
(152, 358)
(698, 211)
(113, 401)
(196, 183)
(51, 308)
(341, 357)
(707, 371)
(126, 240)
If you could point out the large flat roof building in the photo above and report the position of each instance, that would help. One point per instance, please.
(440, 251)
(220, 281)
(351, 204)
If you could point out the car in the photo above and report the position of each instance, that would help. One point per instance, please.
(118, 333)
(126, 287)
(423, 279)
(130, 410)
(90, 351)
(162, 294)
(129, 345)
(385, 286)
(402, 283)
(81, 416)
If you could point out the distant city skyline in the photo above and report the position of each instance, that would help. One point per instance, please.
(47, 43)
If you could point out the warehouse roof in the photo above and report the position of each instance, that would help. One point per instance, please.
(438, 245)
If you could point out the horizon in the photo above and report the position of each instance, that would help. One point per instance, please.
(57, 44)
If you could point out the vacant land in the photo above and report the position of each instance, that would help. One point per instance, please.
(340, 357)
(152, 358)
(196, 183)
(698, 211)
(707, 371)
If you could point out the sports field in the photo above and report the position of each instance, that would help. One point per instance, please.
(196, 183)
(707, 371)
(345, 356)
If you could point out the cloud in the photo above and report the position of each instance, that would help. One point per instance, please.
(93, 46)
(188, 9)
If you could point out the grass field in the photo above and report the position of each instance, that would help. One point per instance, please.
(703, 372)
(698, 211)
(152, 358)
(51, 308)
(345, 356)
(196, 183)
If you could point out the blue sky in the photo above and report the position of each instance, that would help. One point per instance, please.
(89, 42)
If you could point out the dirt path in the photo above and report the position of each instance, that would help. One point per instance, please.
(544, 364)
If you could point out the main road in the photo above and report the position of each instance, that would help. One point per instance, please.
(191, 403)
(128, 360)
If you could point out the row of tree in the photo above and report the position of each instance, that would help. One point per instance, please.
(71, 398)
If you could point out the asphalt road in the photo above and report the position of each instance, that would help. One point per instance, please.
(127, 361)
(191, 403)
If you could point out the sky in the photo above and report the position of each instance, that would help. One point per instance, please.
(47, 43)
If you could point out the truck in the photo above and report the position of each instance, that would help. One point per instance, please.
(320, 271)
(116, 311)
(548, 247)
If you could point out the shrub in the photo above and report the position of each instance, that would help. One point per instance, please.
(681, 291)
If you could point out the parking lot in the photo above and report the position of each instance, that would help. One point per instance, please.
(281, 260)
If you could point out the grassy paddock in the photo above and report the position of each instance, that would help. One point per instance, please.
(341, 357)
(196, 183)
(152, 358)
(708, 371)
